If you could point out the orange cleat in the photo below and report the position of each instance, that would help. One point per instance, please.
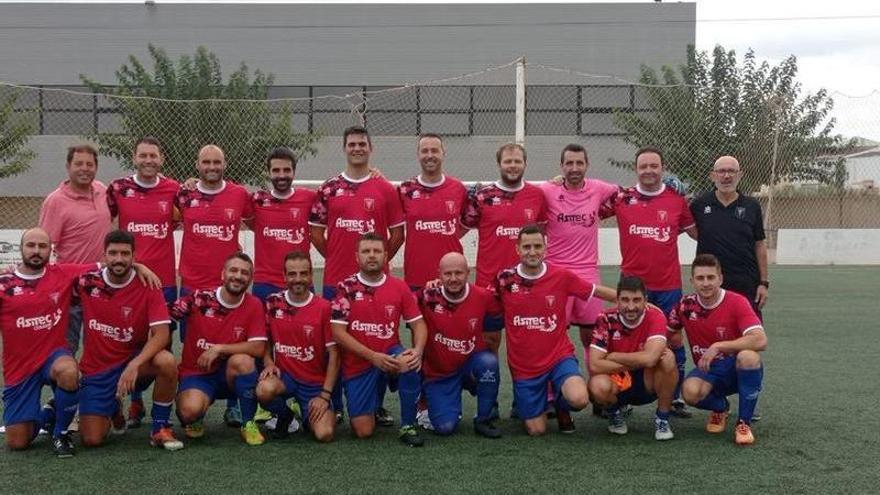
(743, 434)
(165, 439)
(717, 422)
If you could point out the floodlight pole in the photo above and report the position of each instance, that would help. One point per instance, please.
(520, 135)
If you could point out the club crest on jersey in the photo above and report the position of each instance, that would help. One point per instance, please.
(230, 213)
(529, 213)
(450, 207)
(308, 329)
(550, 300)
(721, 331)
(294, 212)
(740, 212)
(473, 323)
(163, 206)
(369, 204)
(389, 311)
(126, 312)
(54, 296)
(662, 215)
(237, 332)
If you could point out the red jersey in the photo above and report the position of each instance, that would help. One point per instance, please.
(349, 208)
(116, 319)
(147, 212)
(535, 317)
(281, 225)
(455, 327)
(432, 214)
(34, 310)
(372, 312)
(300, 333)
(211, 222)
(210, 321)
(612, 334)
(731, 318)
(649, 225)
(499, 213)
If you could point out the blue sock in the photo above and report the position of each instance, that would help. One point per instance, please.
(137, 395)
(409, 386)
(161, 413)
(664, 415)
(680, 359)
(714, 402)
(487, 386)
(247, 397)
(748, 387)
(278, 406)
(66, 403)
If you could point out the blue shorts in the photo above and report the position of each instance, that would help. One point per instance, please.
(362, 391)
(263, 290)
(214, 384)
(21, 402)
(530, 396)
(444, 394)
(664, 299)
(301, 392)
(328, 292)
(493, 323)
(637, 394)
(721, 374)
(98, 392)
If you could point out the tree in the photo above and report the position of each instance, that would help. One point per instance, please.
(15, 132)
(711, 107)
(187, 105)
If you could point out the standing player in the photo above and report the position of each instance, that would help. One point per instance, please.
(212, 213)
(726, 337)
(499, 211)
(366, 313)
(34, 307)
(303, 360)
(227, 330)
(650, 217)
(629, 362)
(534, 295)
(456, 356)
(432, 204)
(126, 332)
(280, 223)
(144, 204)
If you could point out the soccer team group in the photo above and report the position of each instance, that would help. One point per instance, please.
(254, 333)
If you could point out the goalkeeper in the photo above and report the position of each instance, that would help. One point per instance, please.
(629, 361)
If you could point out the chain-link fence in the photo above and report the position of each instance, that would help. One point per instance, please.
(805, 176)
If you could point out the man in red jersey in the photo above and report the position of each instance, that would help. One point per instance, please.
(534, 295)
(432, 204)
(280, 223)
(144, 205)
(629, 361)
(650, 217)
(227, 331)
(726, 337)
(365, 315)
(126, 332)
(302, 361)
(456, 357)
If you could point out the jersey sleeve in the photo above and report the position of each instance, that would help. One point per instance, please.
(256, 326)
(409, 308)
(656, 325)
(326, 327)
(76, 270)
(51, 220)
(470, 215)
(579, 287)
(180, 308)
(112, 205)
(319, 213)
(394, 208)
(686, 219)
(758, 228)
(675, 320)
(157, 311)
(600, 338)
(542, 211)
(247, 209)
(608, 206)
(340, 307)
(746, 319)
(493, 304)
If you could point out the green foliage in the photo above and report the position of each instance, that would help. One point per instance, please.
(711, 107)
(187, 105)
(15, 132)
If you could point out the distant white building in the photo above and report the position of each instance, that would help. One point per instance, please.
(864, 169)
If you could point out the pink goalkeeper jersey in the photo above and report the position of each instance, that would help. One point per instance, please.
(573, 223)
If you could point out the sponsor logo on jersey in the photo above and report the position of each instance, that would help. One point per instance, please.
(114, 333)
(43, 322)
(223, 233)
(441, 227)
(460, 346)
(154, 230)
(290, 236)
(538, 323)
(204, 344)
(298, 352)
(581, 219)
(383, 331)
(355, 225)
(508, 232)
(659, 234)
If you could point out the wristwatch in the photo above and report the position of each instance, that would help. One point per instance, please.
(765, 283)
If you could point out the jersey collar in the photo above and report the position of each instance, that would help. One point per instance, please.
(658, 192)
(467, 291)
(532, 277)
(501, 186)
(718, 303)
(223, 303)
(637, 323)
(137, 181)
(272, 192)
(25, 276)
(431, 184)
(355, 181)
(371, 284)
(297, 304)
(206, 191)
(117, 286)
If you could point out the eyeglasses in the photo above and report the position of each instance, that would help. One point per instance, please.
(727, 171)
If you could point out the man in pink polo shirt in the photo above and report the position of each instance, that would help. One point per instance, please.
(77, 219)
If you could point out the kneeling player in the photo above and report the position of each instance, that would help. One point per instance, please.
(456, 356)
(726, 337)
(305, 362)
(123, 318)
(226, 330)
(365, 314)
(629, 361)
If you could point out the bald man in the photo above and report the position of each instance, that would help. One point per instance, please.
(456, 356)
(212, 213)
(731, 226)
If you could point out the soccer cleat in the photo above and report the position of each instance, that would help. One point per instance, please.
(117, 422)
(486, 429)
(232, 417)
(717, 422)
(340, 417)
(616, 422)
(680, 409)
(410, 437)
(136, 414)
(164, 438)
(662, 430)
(195, 429)
(566, 424)
(250, 432)
(62, 446)
(423, 419)
(384, 418)
(262, 415)
(743, 434)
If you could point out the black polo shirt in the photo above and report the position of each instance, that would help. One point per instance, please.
(730, 233)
